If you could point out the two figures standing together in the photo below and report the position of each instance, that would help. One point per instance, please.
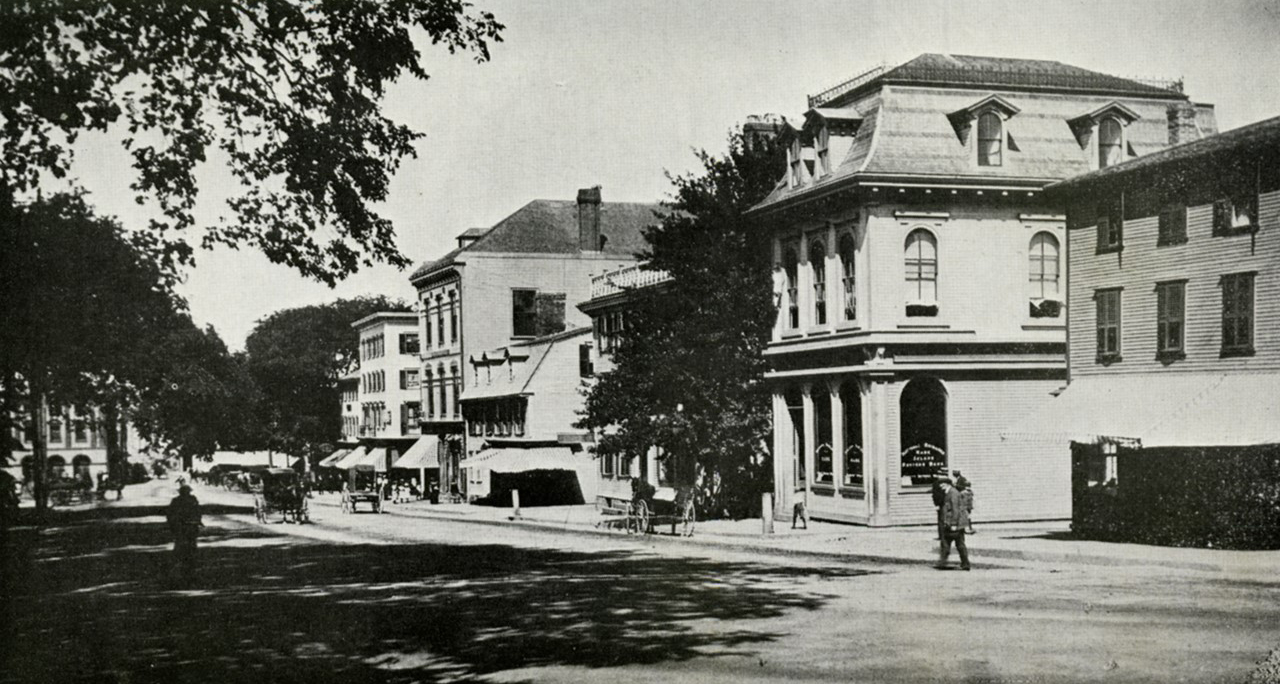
(954, 500)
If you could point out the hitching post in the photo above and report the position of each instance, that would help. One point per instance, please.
(766, 513)
(515, 503)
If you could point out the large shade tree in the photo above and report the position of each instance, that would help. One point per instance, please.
(295, 357)
(689, 371)
(91, 320)
(289, 91)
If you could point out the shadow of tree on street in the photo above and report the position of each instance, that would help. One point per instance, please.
(96, 602)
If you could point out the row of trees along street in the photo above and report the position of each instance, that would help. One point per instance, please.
(289, 93)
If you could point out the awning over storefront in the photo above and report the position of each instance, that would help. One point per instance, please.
(352, 458)
(420, 455)
(376, 457)
(520, 460)
(1160, 410)
(243, 459)
(333, 458)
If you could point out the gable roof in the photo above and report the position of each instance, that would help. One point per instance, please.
(551, 227)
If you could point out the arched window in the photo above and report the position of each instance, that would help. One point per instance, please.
(1044, 266)
(457, 391)
(791, 269)
(851, 398)
(57, 467)
(921, 252)
(923, 430)
(442, 382)
(1109, 143)
(818, 263)
(453, 317)
(28, 468)
(847, 280)
(990, 139)
(823, 457)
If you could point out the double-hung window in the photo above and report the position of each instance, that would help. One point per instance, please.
(818, 265)
(791, 271)
(1110, 227)
(848, 280)
(524, 313)
(990, 139)
(921, 262)
(1237, 314)
(1108, 324)
(1173, 226)
(1170, 320)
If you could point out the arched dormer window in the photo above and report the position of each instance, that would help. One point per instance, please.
(791, 270)
(847, 279)
(921, 261)
(818, 263)
(1110, 142)
(990, 139)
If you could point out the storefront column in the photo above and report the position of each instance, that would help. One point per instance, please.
(783, 459)
(837, 433)
(875, 436)
(810, 433)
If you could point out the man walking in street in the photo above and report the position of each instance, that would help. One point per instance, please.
(941, 483)
(184, 523)
(955, 519)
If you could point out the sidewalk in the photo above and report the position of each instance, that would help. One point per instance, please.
(1049, 542)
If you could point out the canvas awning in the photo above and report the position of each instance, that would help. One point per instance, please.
(420, 455)
(350, 459)
(515, 460)
(1160, 410)
(376, 457)
(333, 458)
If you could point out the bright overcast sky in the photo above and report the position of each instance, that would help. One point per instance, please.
(615, 92)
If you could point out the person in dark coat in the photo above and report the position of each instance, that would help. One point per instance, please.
(185, 522)
(941, 483)
(955, 516)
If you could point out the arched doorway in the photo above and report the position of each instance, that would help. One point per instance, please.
(57, 467)
(923, 428)
(28, 468)
(80, 467)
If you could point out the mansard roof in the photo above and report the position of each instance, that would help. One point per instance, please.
(551, 227)
(910, 133)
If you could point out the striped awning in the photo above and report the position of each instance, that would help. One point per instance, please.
(352, 458)
(333, 458)
(420, 455)
(376, 457)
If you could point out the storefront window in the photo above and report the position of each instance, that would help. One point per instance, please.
(923, 431)
(823, 464)
(851, 397)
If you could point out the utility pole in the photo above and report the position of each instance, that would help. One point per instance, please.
(40, 445)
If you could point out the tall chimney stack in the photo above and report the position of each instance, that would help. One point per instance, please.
(589, 219)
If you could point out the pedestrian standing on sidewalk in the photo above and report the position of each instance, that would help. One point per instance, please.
(185, 522)
(966, 495)
(941, 483)
(956, 519)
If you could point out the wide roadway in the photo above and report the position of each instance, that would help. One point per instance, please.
(392, 598)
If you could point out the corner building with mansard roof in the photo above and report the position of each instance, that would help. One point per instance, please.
(920, 277)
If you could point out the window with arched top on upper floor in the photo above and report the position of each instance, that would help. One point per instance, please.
(1110, 142)
(818, 266)
(1044, 266)
(848, 281)
(791, 271)
(428, 391)
(990, 139)
(921, 265)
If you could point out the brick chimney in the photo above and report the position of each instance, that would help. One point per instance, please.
(589, 219)
(1182, 123)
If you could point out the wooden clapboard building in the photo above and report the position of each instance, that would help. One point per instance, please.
(920, 282)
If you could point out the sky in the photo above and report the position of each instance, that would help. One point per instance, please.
(618, 93)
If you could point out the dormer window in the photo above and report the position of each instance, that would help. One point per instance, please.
(795, 176)
(990, 139)
(822, 149)
(1102, 133)
(1110, 142)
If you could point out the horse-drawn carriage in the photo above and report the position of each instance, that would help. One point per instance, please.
(66, 492)
(361, 487)
(665, 505)
(280, 490)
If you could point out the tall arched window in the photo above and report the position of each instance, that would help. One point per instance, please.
(990, 139)
(847, 280)
(923, 430)
(80, 467)
(791, 269)
(428, 391)
(57, 467)
(1044, 266)
(851, 398)
(818, 263)
(442, 384)
(921, 253)
(1109, 143)
(453, 317)
(457, 391)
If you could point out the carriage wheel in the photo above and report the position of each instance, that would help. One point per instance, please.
(690, 517)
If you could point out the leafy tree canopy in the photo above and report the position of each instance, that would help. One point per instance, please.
(290, 90)
(688, 374)
(295, 357)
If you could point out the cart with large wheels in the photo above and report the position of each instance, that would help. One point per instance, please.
(281, 490)
(361, 487)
